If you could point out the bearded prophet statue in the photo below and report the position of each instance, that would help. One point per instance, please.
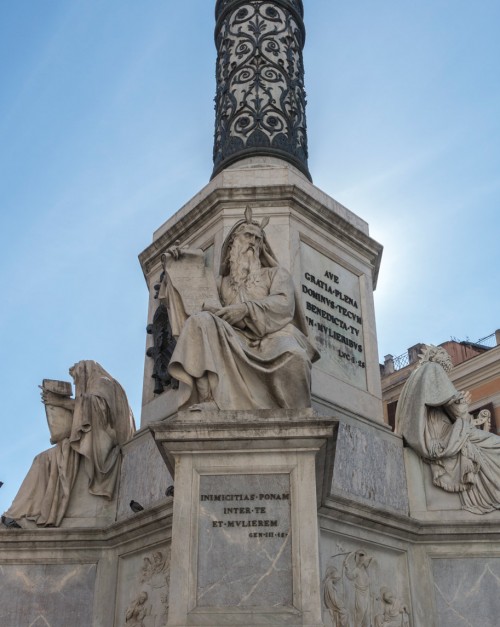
(99, 421)
(248, 346)
(433, 418)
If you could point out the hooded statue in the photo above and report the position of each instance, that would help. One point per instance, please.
(101, 421)
(251, 350)
(433, 418)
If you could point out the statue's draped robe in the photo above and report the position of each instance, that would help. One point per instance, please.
(462, 458)
(264, 365)
(361, 594)
(44, 494)
(102, 421)
(334, 601)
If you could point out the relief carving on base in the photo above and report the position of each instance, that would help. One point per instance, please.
(352, 597)
(434, 419)
(150, 607)
(138, 611)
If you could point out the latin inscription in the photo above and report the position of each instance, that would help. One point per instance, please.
(331, 299)
(244, 541)
(249, 517)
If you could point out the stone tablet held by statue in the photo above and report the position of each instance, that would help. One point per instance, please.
(189, 285)
(59, 418)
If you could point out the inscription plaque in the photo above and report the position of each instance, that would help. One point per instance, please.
(244, 541)
(331, 298)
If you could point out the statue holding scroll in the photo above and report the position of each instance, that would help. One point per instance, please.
(87, 432)
(241, 341)
(433, 418)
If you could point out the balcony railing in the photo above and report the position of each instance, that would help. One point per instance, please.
(490, 341)
(393, 364)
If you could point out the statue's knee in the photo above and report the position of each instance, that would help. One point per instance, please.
(300, 358)
(203, 317)
(200, 320)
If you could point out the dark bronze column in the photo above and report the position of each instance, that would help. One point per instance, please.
(260, 102)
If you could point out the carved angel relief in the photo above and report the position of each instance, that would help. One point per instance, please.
(150, 607)
(351, 597)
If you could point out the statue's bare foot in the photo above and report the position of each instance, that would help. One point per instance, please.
(206, 406)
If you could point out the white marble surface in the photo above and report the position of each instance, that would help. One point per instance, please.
(46, 595)
(331, 300)
(369, 467)
(244, 541)
(467, 591)
(144, 476)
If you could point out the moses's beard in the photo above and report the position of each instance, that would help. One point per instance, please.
(244, 266)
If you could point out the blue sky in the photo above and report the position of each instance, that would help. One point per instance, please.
(106, 127)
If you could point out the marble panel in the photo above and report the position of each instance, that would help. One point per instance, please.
(331, 299)
(47, 595)
(358, 578)
(467, 591)
(370, 467)
(143, 588)
(244, 544)
(144, 475)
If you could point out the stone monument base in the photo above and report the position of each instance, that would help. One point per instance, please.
(245, 527)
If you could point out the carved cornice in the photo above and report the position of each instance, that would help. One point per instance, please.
(260, 101)
(443, 531)
(291, 198)
(20, 546)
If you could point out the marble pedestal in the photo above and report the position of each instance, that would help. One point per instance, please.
(245, 527)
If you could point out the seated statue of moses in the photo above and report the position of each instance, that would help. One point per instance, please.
(248, 346)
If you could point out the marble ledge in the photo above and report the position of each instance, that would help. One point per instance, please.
(340, 508)
(228, 426)
(262, 617)
(263, 172)
(147, 522)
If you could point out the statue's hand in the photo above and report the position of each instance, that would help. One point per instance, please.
(175, 251)
(435, 450)
(212, 306)
(50, 398)
(233, 314)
